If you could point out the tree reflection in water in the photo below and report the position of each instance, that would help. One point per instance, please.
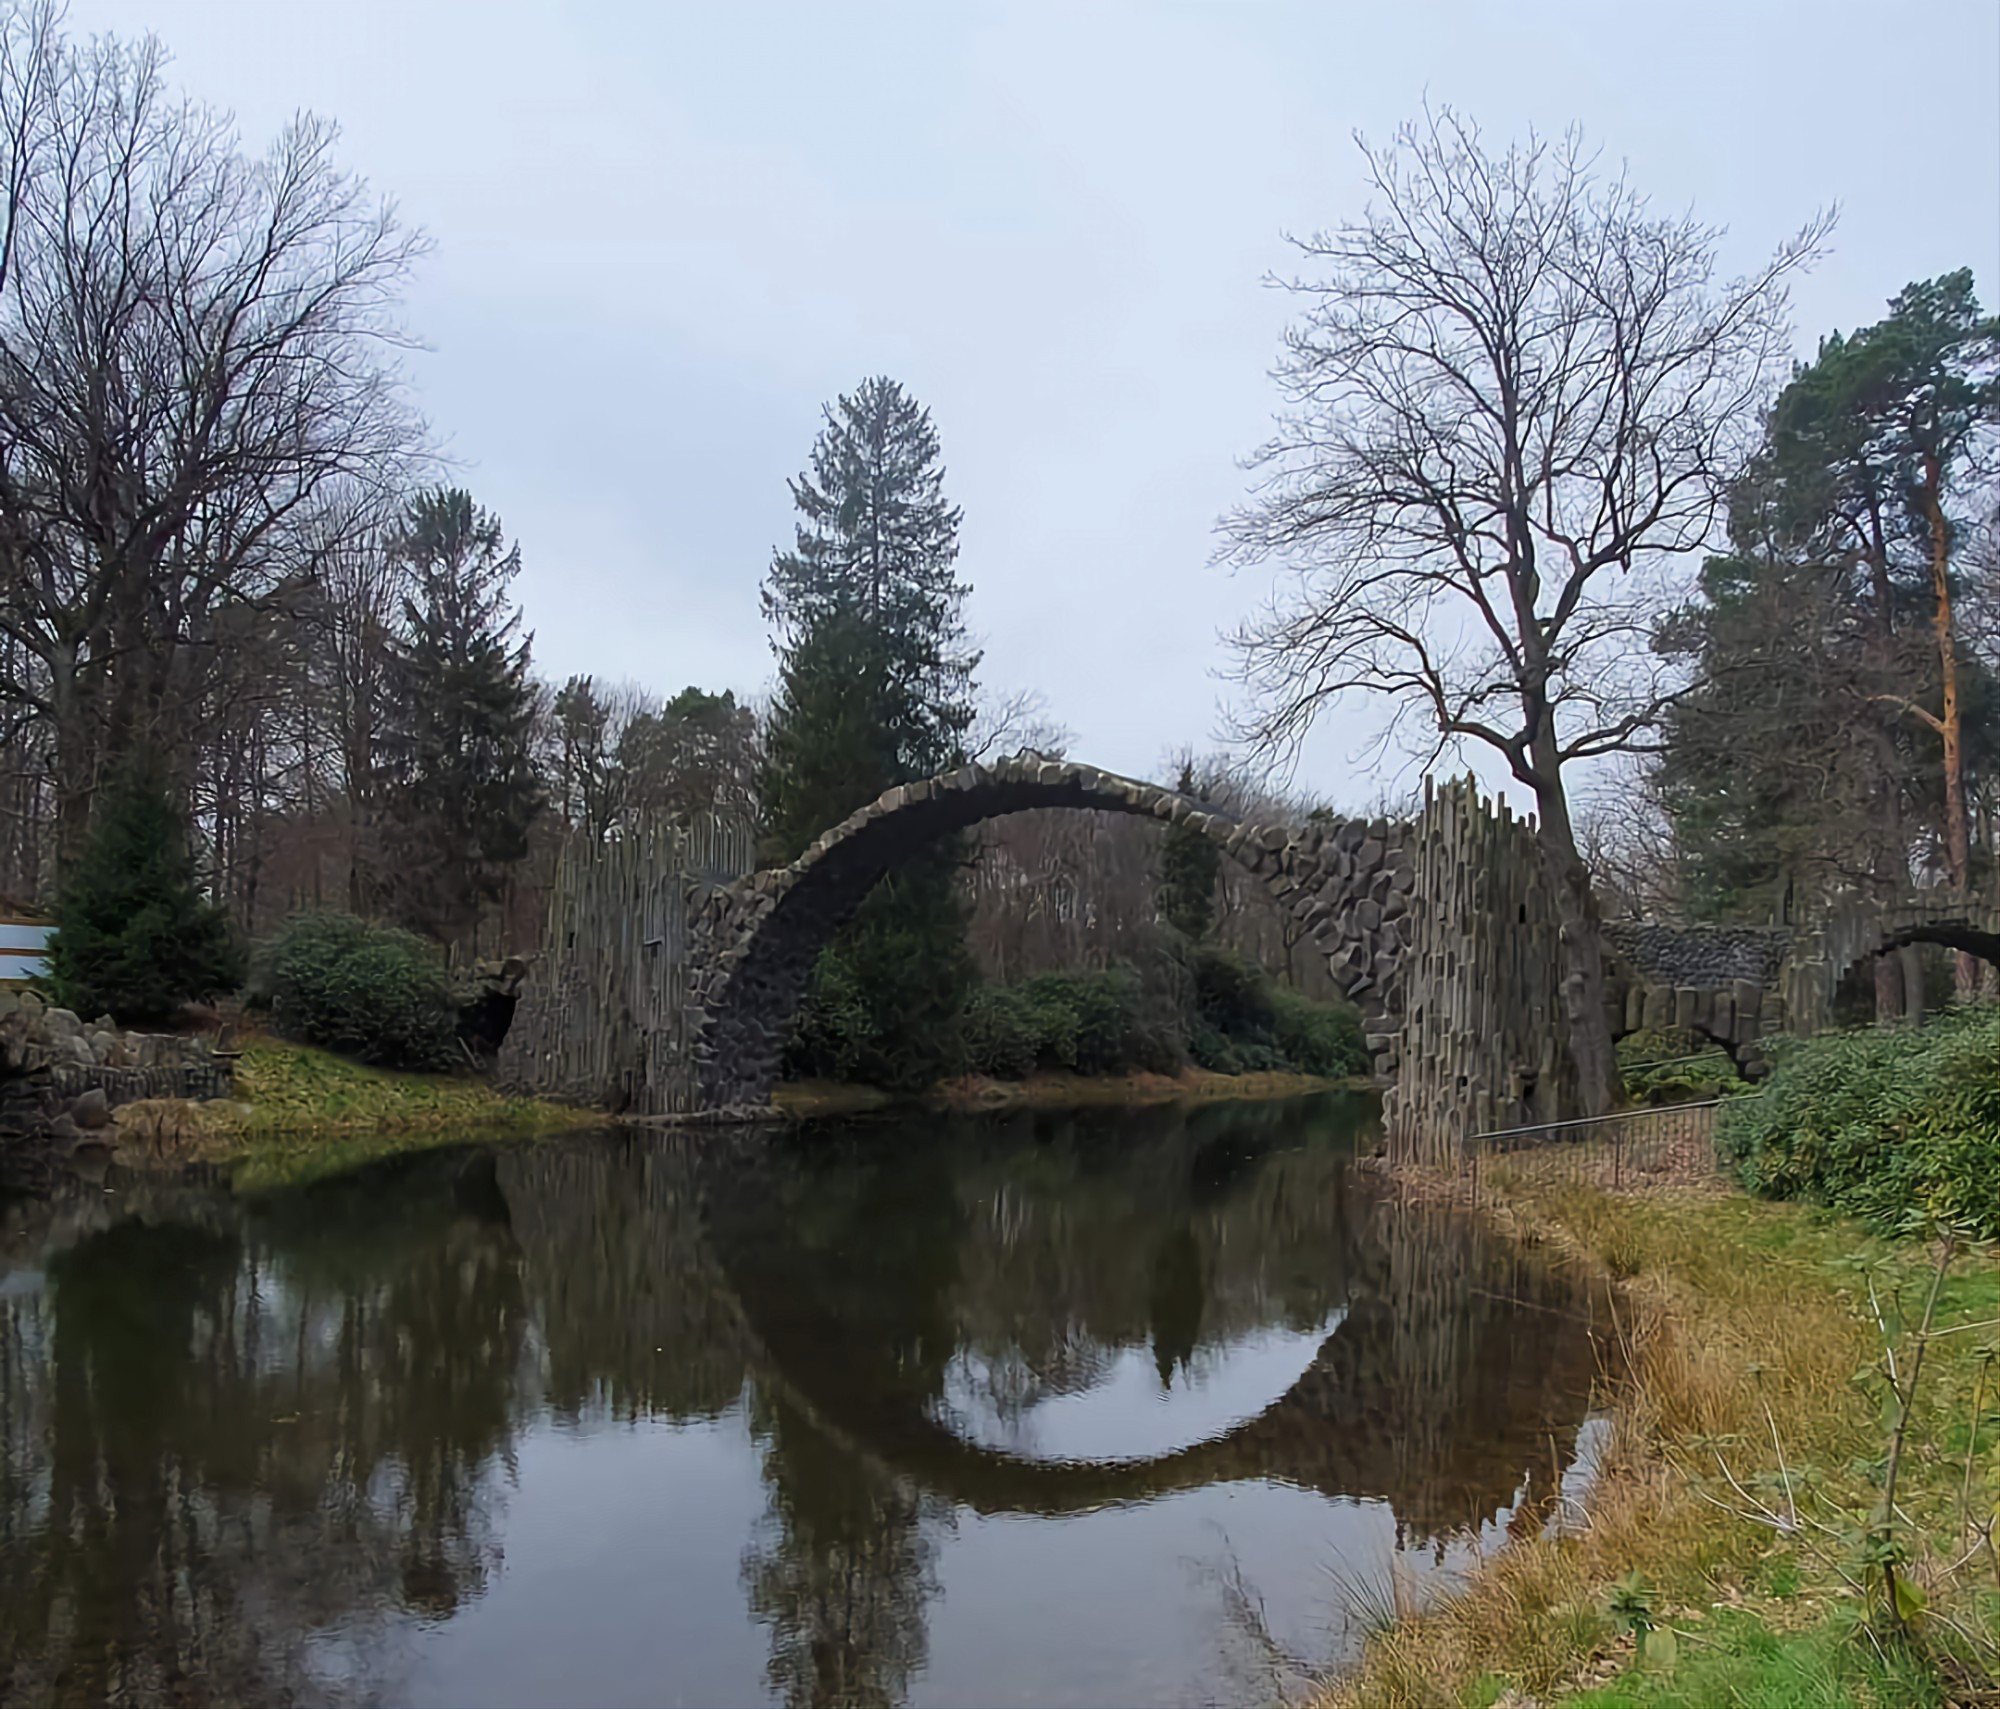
(222, 1438)
(245, 1446)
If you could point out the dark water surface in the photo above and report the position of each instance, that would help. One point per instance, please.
(1119, 1407)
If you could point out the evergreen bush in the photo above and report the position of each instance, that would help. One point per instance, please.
(372, 992)
(1318, 1038)
(1896, 1127)
(135, 936)
(1001, 1039)
(1103, 1023)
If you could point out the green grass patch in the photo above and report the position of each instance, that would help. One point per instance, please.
(1737, 1659)
(305, 1113)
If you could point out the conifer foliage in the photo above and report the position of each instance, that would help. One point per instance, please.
(875, 689)
(463, 790)
(136, 937)
(1190, 864)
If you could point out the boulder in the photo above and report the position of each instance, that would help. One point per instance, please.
(92, 1110)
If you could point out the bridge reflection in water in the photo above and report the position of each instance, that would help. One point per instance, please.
(267, 1451)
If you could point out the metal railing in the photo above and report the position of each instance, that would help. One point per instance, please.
(1667, 1143)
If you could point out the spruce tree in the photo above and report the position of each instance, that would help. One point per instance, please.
(877, 542)
(1189, 867)
(459, 749)
(135, 935)
(875, 689)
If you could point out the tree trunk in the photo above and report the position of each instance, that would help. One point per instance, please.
(1912, 960)
(1957, 828)
(1888, 990)
(1584, 997)
(75, 755)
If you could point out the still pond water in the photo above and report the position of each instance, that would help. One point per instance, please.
(1138, 1406)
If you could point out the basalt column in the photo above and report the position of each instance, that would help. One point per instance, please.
(1484, 1042)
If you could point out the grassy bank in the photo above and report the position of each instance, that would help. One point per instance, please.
(300, 1113)
(1749, 1445)
(1054, 1091)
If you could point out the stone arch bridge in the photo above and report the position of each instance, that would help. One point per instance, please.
(1441, 928)
(1348, 884)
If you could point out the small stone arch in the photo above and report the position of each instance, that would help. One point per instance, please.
(1348, 882)
(1856, 934)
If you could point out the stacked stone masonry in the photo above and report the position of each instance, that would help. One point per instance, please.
(60, 1078)
(1484, 1040)
(1348, 882)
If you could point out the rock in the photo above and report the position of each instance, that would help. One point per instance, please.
(102, 1044)
(77, 1048)
(90, 1160)
(104, 1024)
(32, 1006)
(65, 1130)
(62, 1023)
(92, 1109)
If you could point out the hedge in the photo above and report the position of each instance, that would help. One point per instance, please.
(1901, 1128)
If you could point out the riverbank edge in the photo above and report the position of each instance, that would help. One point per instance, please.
(1740, 1327)
(302, 1114)
(800, 1100)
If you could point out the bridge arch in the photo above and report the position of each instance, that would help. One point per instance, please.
(1347, 882)
(1854, 935)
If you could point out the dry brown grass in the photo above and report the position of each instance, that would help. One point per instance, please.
(1732, 1332)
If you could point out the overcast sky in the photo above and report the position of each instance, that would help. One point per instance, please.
(666, 232)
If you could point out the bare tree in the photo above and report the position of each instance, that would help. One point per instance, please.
(196, 348)
(1015, 723)
(1627, 840)
(1513, 404)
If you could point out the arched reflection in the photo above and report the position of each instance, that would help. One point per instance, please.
(259, 1445)
(1454, 1361)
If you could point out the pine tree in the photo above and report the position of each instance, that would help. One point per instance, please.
(1189, 867)
(135, 935)
(460, 747)
(875, 689)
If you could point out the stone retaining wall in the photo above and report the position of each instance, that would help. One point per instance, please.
(61, 1078)
(1662, 954)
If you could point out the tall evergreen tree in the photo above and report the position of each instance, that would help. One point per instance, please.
(135, 934)
(1190, 865)
(460, 746)
(875, 689)
(877, 547)
(1890, 420)
(1836, 718)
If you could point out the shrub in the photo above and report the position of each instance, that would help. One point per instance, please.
(1090, 1023)
(887, 998)
(833, 1025)
(1667, 1065)
(1085, 1021)
(1894, 1127)
(371, 992)
(1000, 1034)
(1232, 995)
(135, 936)
(1318, 1038)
